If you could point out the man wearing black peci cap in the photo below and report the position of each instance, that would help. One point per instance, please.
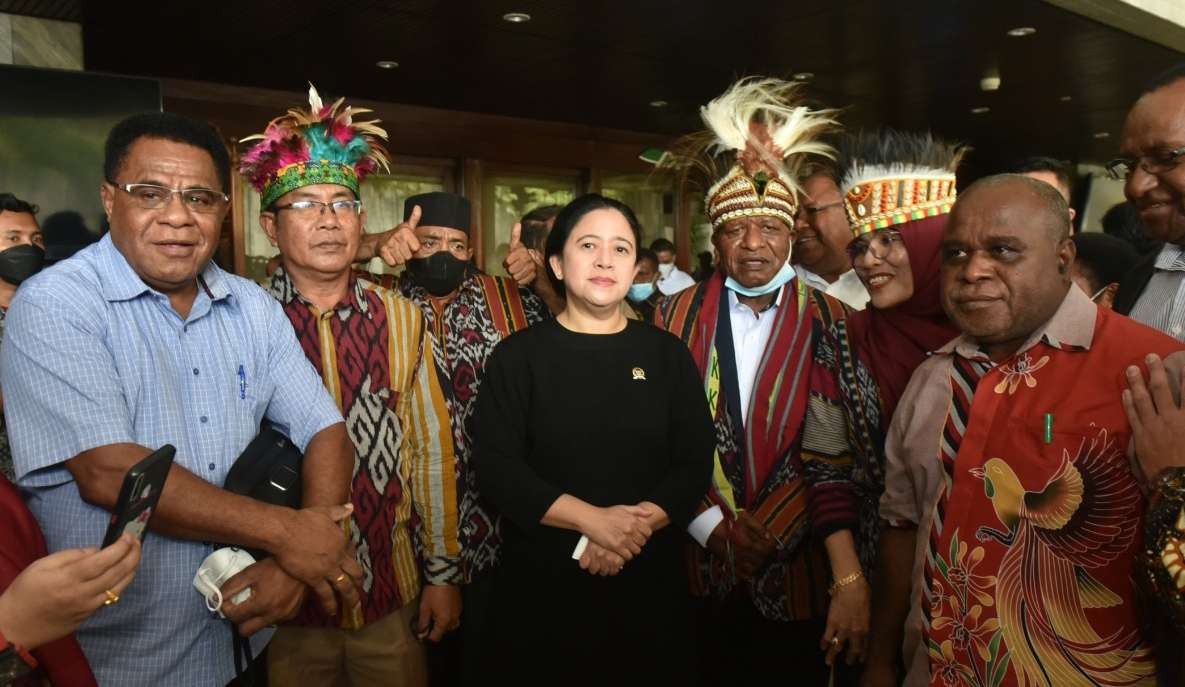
(470, 312)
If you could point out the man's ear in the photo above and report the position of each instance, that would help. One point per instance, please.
(107, 197)
(267, 222)
(1066, 252)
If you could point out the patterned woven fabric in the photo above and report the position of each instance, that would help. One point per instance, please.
(375, 355)
(466, 328)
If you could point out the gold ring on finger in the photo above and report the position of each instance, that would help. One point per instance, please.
(835, 641)
(112, 597)
(339, 578)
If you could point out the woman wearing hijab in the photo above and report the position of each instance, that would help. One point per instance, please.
(898, 190)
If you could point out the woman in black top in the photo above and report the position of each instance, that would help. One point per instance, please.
(593, 439)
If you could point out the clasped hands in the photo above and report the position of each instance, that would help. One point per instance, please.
(315, 554)
(617, 534)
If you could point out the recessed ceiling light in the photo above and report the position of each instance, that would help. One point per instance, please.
(658, 103)
(1101, 135)
(1021, 31)
(516, 17)
(980, 110)
(1066, 98)
(386, 64)
(804, 76)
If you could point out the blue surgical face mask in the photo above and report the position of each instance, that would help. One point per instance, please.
(640, 292)
(784, 275)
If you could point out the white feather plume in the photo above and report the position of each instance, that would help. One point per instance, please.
(793, 129)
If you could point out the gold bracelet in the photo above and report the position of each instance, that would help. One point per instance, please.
(844, 581)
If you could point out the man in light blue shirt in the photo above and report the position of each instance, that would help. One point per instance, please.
(141, 340)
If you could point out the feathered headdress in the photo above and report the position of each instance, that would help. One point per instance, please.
(321, 146)
(892, 177)
(759, 135)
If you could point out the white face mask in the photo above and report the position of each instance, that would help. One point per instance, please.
(665, 268)
(219, 567)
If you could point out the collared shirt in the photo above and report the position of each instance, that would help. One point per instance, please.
(92, 357)
(750, 334)
(374, 353)
(1162, 304)
(914, 472)
(848, 288)
(674, 282)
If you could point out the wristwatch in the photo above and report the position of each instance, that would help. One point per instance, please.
(15, 661)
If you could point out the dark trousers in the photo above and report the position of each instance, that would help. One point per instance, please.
(740, 646)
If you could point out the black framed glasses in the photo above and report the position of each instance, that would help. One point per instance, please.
(1121, 168)
(316, 207)
(879, 243)
(154, 197)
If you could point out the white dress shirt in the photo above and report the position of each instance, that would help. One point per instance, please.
(674, 282)
(848, 288)
(750, 334)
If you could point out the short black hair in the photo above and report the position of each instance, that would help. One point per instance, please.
(1122, 220)
(10, 203)
(1103, 259)
(170, 127)
(661, 245)
(571, 215)
(1062, 169)
(647, 254)
(535, 225)
(821, 165)
(1166, 78)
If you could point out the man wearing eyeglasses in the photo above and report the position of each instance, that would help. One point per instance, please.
(1151, 152)
(821, 239)
(374, 350)
(141, 340)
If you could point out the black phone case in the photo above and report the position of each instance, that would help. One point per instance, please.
(133, 500)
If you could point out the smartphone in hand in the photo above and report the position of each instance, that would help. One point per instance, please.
(139, 494)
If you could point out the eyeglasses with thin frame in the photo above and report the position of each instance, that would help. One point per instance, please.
(154, 197)
(316, 207)
(814, 211)
(879, 243)
(1121, 168)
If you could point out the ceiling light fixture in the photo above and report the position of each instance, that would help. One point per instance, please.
(658, 103)
(1066, 98)
(1021, 31)
(516, 17)
(386, 64)
(804, 76)
(1100, 135)
(980, 110)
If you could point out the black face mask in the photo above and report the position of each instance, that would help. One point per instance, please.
(20, 262)
(440, 273)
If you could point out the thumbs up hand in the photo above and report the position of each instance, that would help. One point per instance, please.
(400, 244)
(521, 263)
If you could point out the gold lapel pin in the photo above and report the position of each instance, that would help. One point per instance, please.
(639, 373)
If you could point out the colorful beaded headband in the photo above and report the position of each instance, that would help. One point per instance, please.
(882, 203)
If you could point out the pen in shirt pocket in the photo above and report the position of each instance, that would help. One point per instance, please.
(242, 383)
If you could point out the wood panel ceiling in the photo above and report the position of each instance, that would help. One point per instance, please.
(908, 63)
